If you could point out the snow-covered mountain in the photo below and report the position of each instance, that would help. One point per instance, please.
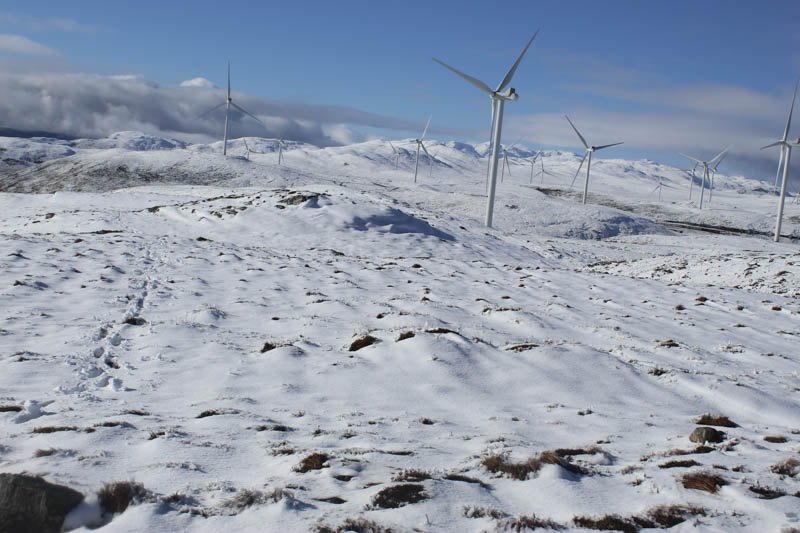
(326, 345)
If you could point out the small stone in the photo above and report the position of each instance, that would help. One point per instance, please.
(704, 434)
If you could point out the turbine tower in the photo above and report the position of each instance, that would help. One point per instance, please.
(714, 173)
(533, 163)
(705, 170)
(419, 144)
(691, 181)
(589, 151)
(228, 103)
(786, 147)
(786, 134)
(498, 98)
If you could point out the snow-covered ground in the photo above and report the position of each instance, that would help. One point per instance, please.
(195, 332)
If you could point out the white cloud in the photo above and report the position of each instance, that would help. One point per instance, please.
(18, 44)
(199, 82)
(48, 24)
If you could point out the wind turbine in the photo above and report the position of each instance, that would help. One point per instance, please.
(281, 142)
(786, 147)
(228, 103)
(498, 97)
(691, 181)
(714, 173)
(589, 151)
(543, 171)
(533, 163)
(505, 162)
(658, 188)
(786, 134)
(705, 170)
(396, 155)
(419, 144)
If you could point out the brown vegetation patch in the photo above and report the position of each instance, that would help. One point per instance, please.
(716, 420)
(405, 335)
(699, 449)
(359, 525)
(55, 429)
(362, 342)
(679, 464)
(273, 427)
(10, 408)
(499, 464)
(116, 497)
(426, 421)
(440, 330)
(333, 499)
(606, 523)
(706, 481)
(475, 511)
(465, 479)
(315, 461)
(398, 495)
(766, 493)
(775, 439)
(656, 371)
(664, 516)
(267, 347)
(135, 412)
(669, 343)
(247, 498)
(566, 452)
(135, 321)
(521, 347)
(525, 522)
(412, 476)
(788, 467)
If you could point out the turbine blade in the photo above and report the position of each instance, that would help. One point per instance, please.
(789, 120)
(513, 68)
(576, 131)
(505, 160)
(245, 144)
(476, 82)
(229, 80)
(426, 127)
(692, 158)
(656, 188)
(579, 169)
(605, 146)
(776, 143)
(212, 109)
(424, 149)
(247, 113)
(721, 154)
(393, 148)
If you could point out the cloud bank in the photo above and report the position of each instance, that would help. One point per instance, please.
(17, 44)
(83, 105)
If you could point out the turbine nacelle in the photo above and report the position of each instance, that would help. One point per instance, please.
(509, 95)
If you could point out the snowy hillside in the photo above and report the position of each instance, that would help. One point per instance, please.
(327, 346)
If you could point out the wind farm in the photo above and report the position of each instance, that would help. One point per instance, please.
(266, 324)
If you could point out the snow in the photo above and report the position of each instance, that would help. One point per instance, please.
(191, 317)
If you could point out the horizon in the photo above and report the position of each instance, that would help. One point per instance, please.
(675, 86)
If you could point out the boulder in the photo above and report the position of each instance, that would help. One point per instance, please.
(29, 504)
(705, 434)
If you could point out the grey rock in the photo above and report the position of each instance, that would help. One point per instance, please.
(704, 434)
(29, 504)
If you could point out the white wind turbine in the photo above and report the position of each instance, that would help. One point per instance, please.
(713, 172)
(419, 144)
(705, 165)
(228, 103)
(589, 151)
(786, 134)
(505, 162)
(396, 155)
(786, 147)
(658, 187)
(533, 163)
(499, 96)
(542, 172)
(691, 181)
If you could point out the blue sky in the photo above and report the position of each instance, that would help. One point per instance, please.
(661, 76)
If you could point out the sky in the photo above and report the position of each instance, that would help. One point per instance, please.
(662, 76)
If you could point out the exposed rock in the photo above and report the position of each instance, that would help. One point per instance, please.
(29, 504)
(706, 434)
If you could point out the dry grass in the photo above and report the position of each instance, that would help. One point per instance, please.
(362, 342)
(522, 470)
(699, 449)
(679, 464)
(135, 412)
(707, 481)
(766, 493)
(474, 511)
(405, 335)
(607, 523)
(412, 476)
(248, 498)
(715, 420)
(664, 516)
(775, 439)
(10, 408)
(465, 479)
(398, 496)
(315, 461)
(55, 429)
(567, 452)
(524, 522)
(788, 467)
(116, 497)
(359, 525)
